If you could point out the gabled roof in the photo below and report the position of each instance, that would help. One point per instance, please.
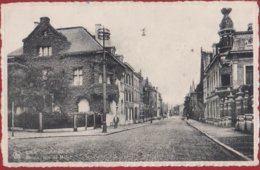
(129, 66)
(17, 52)
(81, 40)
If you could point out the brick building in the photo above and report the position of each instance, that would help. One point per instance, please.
(75, 52)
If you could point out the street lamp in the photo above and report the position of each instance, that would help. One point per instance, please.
(104, 34)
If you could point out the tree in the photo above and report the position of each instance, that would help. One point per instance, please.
(36, 89)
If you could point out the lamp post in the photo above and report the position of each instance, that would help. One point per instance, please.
(104, 34)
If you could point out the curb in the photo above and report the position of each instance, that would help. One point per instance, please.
(101, 134)
(221, 144)
(111, 133)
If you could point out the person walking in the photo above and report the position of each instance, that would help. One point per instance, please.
(116, 120)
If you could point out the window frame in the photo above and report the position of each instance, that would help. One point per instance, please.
(79, 75)
(44, 51)
(245, 66)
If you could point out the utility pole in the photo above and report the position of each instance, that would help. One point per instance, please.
(104, 85)
(104, 34)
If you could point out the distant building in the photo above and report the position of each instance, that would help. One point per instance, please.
(150, 98)
(129, 93)
(138, 102)
(177, 110)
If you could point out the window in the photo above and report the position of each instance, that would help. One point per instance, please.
(126, 113)
(108, 80)
(249, 75)
(83, 106)
(77, 77)
(225, 80)
(128, 79)
(100, 78)
(45, 74)
(130, 113)
(45, 51)
(130, 98)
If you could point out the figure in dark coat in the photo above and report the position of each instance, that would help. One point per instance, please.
(116, 121)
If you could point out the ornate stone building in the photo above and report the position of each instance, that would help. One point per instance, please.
(228, 76)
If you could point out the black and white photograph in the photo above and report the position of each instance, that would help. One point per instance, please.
(105, 84)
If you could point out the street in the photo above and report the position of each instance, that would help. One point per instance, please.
(165, 140)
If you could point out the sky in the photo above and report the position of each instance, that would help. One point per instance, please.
(169, 54)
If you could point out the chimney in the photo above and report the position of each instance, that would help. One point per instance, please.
(44, 20)
(250, 27)
(97, 26)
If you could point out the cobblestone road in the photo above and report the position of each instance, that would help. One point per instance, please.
(166, 140)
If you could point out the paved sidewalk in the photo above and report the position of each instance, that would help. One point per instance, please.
(238, 141)
(68, 132)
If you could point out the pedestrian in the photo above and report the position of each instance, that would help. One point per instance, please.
(116, 120)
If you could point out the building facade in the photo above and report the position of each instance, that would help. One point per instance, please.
(66, 65)
(228, 76)
(74, 53)
(129, 93)
(138, 102)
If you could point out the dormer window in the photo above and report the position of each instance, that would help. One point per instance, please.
(45, 51)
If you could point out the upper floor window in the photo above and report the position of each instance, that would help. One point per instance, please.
(100, 80)
(45, 74)
(249, 75)
(127, 79)
(225, 80)
(77, 77)
(129, 97)
(45, 51)
(126, 96)
(108, 80)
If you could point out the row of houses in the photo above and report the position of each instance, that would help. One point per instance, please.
(224, 95)
(60, 72)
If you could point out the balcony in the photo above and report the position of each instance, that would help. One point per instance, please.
(222, 91)
(111, 90)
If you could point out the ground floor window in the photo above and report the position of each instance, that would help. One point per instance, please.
(83, 105)
(249, 75)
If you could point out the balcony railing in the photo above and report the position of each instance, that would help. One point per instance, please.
(222, 90)
(111, 89)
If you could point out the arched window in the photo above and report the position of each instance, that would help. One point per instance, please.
(83, 106)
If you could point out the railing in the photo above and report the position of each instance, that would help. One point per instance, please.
(97, 89)
(222, 89)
